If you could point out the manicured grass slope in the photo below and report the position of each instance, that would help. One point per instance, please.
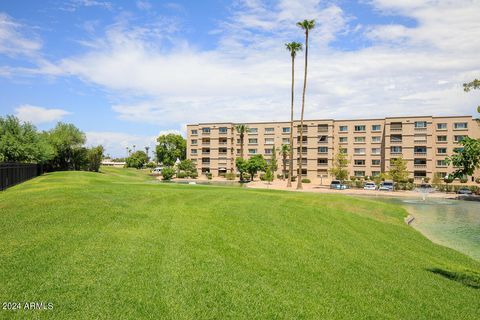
(116, 246)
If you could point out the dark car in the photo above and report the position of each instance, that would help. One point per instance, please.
(336, 184)
(464, 190)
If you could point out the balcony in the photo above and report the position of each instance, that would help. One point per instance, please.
(396, 141)
(222, 153)
(419, 166)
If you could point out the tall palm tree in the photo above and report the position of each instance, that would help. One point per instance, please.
(146, 151)
(306, 25)
(241, 130)
(284, 151)
(293, 48)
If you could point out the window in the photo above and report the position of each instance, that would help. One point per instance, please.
(305, 128)
(458, 138)
(322, 173)
(343, 150)
(376, 127)
(205, 150)
(343, 128)
(286, 129)
(238, 151)
(269, 130)
(222, 151)
(420, 150)
(194, 151)
(322, 127)
(269, 140)
(252, 141)
(322, 139)
(206, 130)
(359, 128)
(359, 173)
(194, 141)
(322, 161)
(442, 150)
(205, 141)
(205, 160)
(420, 161)
(396, 149)
(359, 151)
(222, 141)
(304, 139)
(304, 149)
(420, 124)
(376, 139)
(420, 137)
(194, 131)
(396, 138)
(375, 162)
(359, 139)
(441, 126)
(441, 163)
(375, 173)
(376, 150)
(268, 151)
(223, 129)
(420, 174)
(343, 139)
(441, 138)
(252, 151)
(286, 141)
(396, 126)
(359, 162)
(322, 149)
(239, 141)
(253, 130)
(441, 175)
(460, 125)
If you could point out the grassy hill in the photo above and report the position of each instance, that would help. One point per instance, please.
(115, 245)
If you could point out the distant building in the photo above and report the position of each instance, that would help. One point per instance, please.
(111, 163)
(370, 144)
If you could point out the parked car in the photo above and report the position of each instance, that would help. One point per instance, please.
(157, 170)
(386, 186)
(464, 190)
(337, 184)
(370, 186)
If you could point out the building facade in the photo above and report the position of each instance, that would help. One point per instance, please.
(370, 144)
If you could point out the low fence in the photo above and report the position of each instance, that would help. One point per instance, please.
(15, 173)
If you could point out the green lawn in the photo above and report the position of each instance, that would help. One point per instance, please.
(117, 246)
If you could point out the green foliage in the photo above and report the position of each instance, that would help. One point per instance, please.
(398, 170)
(268, 175)
(193, 175)
(137, 159)
(466, 158)
(170, 147)
(94, 158)
(448, 179)
(187, 166)
(475, 84)
(209, 175)
(182, 175)
(20, 142)
(67, 141)
(463, 180)
(477, 180)
(306, 180)
(339, 169)
(230, 176)
(256, 163)
(151, 165)
(168, 173)
(241, 165)
(273, 162)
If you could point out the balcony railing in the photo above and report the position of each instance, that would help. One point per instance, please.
(419, 153)
(420, 165)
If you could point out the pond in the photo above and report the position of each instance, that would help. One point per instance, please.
(452, 223)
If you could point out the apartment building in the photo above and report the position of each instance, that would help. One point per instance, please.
(370, 144)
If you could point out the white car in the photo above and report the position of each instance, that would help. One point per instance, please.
(157, 170)
(370, 186)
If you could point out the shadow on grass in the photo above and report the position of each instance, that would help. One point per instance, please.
(467, 278)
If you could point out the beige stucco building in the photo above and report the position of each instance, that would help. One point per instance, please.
(370, 144)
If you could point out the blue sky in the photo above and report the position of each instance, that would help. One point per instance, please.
(126, 71)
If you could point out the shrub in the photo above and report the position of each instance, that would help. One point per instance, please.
(280, 176)
(230, 176)
(262, 177)
(463, 180)
(411, 180)
(477, 180)
(448, 179)
(358, 183)
(94, 156)
(456, 188)
(409, 186)
(193, 174)
(151, 165)
(306, 180)
(294, 178)
(353, 178)
(209, 175)
(426, 179)
(167, 173)
(182, 175)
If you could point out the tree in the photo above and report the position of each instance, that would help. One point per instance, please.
(241, 165)
(137, 160)
(268, 175)
(273, 162)
(170, 147)
(187, 166)
(241, 130)
(20, 142)
(284, 151)
(305, 25)
(168, 173)
(293, 48)
(339, 169)
(94, 156)
(467, 158)
(398, 170)
(255, 164)
(67, 141)
(475, 84)
(146, 151)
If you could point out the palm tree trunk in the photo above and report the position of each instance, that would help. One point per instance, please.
(289, 182)
(241, 153)
(284, 164)
(299, 178)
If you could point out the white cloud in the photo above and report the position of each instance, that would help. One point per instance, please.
(13, 41)
(74, 5)
(144, 5)
(39, 115)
